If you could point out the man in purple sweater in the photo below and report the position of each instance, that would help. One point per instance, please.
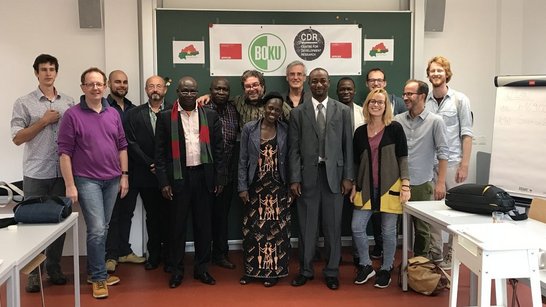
(93, 158)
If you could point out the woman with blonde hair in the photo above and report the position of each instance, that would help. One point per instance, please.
(382, 184)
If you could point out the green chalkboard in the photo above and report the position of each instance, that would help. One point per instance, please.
(193, 25)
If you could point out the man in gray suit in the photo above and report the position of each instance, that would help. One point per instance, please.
(321, 172)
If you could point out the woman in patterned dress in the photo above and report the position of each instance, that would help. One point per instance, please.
(263, 189)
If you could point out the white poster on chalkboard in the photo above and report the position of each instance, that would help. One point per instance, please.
(269, 48)
(518, 157)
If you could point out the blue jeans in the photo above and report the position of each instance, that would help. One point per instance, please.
(388, 228)
(97, 199)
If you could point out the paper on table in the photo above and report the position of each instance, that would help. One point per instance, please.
(453, 213)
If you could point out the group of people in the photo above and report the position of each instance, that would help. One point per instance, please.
(299, 149)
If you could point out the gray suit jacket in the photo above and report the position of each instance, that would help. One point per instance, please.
(304, 151)
(250, 152)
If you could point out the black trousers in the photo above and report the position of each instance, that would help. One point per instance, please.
(119, 229)
(195, 197)
(220, 213)
(157, 218)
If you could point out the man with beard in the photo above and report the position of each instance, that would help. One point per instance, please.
(321, 172)
(219, 95)
(140, 126)
(426, 137)
(454, 107)
(118, 248)
(190, 169)
(250, 105)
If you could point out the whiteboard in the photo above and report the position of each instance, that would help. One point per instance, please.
(518, 157)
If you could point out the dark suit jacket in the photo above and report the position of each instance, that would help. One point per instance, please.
(141, 145)
(303, 142)
(215, 172)
(250, 152)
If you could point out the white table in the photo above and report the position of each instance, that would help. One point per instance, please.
(439, 215)
(20, 246)
(7, 272)
(495, 252)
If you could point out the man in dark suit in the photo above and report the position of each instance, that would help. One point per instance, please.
(190, 169)
(140, 129)
(321, 172)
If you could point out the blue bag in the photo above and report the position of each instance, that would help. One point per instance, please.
(45, 209)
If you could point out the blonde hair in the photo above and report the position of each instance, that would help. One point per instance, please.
(440, 60)
(387, 114)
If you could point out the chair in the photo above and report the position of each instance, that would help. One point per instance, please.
(31, 266)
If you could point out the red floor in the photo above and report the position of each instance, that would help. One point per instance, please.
(150, 288)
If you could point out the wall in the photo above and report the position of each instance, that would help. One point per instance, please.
(481, 38)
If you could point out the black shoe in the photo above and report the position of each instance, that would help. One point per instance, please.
(33, 284)
(383, 279)
(376, 253)
(245, 280)
(57, 278)
(175, 281)
(270, 282)
(150, 266)
(332, 283)
(300, 280)
(364, 273)
(205, 278)
(224, 263)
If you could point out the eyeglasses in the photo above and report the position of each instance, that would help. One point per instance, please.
(376, 80)
(409, 94)
(93, 85)
(251, 86)
(376, 102)
(188, 92)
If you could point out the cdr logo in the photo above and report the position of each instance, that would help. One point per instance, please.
(267, 52)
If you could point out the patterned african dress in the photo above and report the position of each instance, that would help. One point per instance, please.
(266, 223)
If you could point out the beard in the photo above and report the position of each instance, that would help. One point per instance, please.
(156, 96)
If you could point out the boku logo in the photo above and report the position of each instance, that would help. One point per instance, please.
(267, 52)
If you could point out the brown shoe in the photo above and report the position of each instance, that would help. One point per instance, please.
(100, 289)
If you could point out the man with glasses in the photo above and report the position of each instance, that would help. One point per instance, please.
(454, 107)
(190, 169)
(140, 127)
(376, 79)
(94, 164)
(35, 123)
(118, 248)
(250, 105)
(426, 136)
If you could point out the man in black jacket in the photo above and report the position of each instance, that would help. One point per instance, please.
(140, 129)
(190, 169)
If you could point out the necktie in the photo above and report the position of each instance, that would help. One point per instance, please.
(321, 123)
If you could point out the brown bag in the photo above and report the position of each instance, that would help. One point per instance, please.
(426, 277)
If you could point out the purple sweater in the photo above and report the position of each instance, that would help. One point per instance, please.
(92, 140)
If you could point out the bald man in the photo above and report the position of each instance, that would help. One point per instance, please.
(118, 248)
(140, 124)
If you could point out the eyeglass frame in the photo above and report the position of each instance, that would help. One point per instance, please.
(93, 85)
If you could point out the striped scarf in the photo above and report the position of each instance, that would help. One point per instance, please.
(204, 139)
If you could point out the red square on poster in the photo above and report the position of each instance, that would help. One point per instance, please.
(231, 51)
(341, 50)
